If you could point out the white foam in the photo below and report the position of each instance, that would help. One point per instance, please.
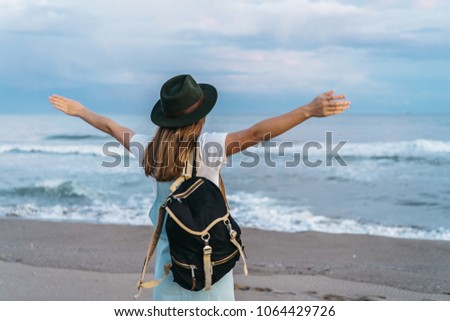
(250, 210)
(95, 150)
(98, 212)
(265, 213)
(53, 149)
(415, 148)
(54, 187)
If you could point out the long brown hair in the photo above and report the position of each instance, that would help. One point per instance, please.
(166, 154)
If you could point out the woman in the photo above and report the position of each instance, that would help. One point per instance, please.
(180, 114)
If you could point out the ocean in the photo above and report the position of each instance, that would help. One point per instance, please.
(386, 175)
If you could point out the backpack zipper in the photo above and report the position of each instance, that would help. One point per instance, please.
(225, 259)
(213, 263)
(192, 267)
(189, 191)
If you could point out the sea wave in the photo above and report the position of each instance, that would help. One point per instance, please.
(100, 213)
(419, 147)
(134, 212)
(267, 213)
(249, 209)
(61, 190)
(75, 137)
(410, 150)
(431, 151)
(93, 150)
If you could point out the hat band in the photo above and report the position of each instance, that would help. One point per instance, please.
(189, 109)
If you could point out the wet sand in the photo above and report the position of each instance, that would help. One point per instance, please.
(78, 261)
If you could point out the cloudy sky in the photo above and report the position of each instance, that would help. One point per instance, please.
(263, 56)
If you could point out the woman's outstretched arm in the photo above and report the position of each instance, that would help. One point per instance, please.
(107, 125)
(323, 105)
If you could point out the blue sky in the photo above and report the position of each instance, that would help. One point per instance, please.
(263, 56)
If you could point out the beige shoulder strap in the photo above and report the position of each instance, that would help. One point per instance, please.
(188, 169)
(233, 235)
(224, 193)
(151, 249)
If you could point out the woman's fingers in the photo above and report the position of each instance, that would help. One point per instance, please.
(54, 100)
(344, 106)
(339, 103)
(328, 104)
(334, 112)
(57, 99)
(66, 105)
(59, 102)
(337, 107)
(335, 97)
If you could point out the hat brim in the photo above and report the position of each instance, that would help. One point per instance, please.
(210, 97)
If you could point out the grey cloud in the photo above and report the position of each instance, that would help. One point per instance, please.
(230, 42)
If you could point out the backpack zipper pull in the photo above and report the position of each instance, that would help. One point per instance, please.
(228, 225)
(194, 280)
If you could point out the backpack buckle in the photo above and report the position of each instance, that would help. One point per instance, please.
(207, 250)
(205, 238)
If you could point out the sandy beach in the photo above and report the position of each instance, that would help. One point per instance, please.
(78, 261)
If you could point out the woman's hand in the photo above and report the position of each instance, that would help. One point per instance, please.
(66, 105)
(326, 104)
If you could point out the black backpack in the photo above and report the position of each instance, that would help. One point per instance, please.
(204, 239)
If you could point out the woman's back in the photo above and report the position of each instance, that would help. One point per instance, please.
(212, 157)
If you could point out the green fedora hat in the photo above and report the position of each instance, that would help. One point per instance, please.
(183, 102)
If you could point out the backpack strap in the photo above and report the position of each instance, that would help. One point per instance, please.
(223, 191)
(233, 233)
(190, 170)
(196, 159)
(151, 249)
(240, 249)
